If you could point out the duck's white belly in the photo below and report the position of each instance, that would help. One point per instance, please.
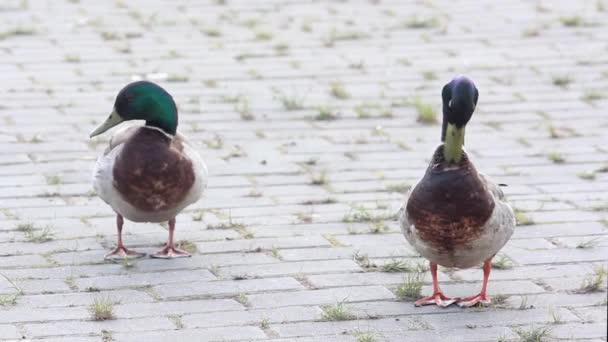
(494, 235)
(103, 182)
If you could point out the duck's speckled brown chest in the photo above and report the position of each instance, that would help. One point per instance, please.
(151, 172)
(450, 205)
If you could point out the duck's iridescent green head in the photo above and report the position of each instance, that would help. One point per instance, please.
(459, 102)
(143, 100)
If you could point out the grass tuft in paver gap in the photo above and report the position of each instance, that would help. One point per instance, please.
(411, 287)
(102, 309)
(337, 312)
(534, 334)
(594, 282)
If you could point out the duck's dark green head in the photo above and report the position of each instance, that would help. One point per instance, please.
(459, 102)
(143, 100)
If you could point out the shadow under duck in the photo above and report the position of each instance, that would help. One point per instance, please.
(148, 173)
(455, 216)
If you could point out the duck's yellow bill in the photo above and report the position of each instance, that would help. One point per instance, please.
(113, 120)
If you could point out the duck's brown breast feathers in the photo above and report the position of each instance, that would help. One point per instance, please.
(450, 205)
(151, 172)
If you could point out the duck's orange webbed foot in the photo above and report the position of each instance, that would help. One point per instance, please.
(170, 252)
(438, 298)
(468, 302)
(121, 252)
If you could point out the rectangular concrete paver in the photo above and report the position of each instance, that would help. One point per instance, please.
(88, 327)
(327, 296)
(229, 287)
(212, 334)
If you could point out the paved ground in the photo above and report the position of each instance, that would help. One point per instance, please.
(310, 115)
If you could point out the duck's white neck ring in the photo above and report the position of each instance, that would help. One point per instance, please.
(160, 130)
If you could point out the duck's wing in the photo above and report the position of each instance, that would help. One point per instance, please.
(503, 220)
(494, 188)
(402, 214)
(198, 165)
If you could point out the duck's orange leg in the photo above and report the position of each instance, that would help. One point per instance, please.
(438, 298)
(170, 251)
(482, 297)
(121, 252)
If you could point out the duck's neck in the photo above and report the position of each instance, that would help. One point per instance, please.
(166, 127)
(453, 142)
(163, 115)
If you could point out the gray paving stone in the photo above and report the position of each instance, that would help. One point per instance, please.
(477, 334)
(582, 241)
(326, 328)
(253, 244)
(78, 299)
(564, 216)
(592, 314)
(318, 338)
(47, 247)
(391, 251)
(325, 296)
(226, 287)
(530, 244)
(300, 229)
(523, 272)
(210, 334)
(580, 331)
(552, 300)
(143, 279)
(92, 327)
(253, 317)
(24, 260)
(292, 268)
(453, 335)
(460, 320)
(560, 255)
(9, 332)
(559, 229)
(375, 240)
(63, 272)
(15, 315)
(176, 308)
(70, 339)
(43, 286)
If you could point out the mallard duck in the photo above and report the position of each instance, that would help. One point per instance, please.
(455, 216)
(148, 173)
